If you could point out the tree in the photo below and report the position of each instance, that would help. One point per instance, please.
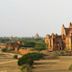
(26, 61)
(40, 46)
(28, 44)
(29, 58)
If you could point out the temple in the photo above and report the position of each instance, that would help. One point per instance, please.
(60, 42)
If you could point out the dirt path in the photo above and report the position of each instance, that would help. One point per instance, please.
(6, 62)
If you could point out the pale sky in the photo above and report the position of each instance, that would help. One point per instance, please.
(28, 17)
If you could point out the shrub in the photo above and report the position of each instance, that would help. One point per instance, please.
(63, 53)
(4, 49)
(25, 68)
(70, 68)
(52, 55)
(15, 57)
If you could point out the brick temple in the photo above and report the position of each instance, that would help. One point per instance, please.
(60, 42)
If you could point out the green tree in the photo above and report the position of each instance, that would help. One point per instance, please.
(28, 44)
(40, 46)
(29, 58)
(26, 61)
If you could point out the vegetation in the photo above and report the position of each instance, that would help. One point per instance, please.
(28, 44)
(5, 50)
(29, 58)
(15, 57)
(52, 55)
(70, 68)
(25, 68)
(37, 44)
(4, 39)
(63, 53)
(40, 46)
(26, 61)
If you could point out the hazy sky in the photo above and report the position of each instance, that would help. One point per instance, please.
(28, 17)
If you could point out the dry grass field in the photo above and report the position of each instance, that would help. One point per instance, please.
(60, 65)
(8, 64)
(57, 65)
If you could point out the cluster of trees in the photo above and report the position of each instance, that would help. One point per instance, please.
(4, 39)
(37, 44)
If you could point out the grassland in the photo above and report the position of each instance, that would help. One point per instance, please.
(52, 65)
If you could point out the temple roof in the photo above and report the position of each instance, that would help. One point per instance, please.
(70, 26)
(68, 31)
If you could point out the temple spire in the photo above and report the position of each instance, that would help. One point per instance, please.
(70, 26)
(63, 26)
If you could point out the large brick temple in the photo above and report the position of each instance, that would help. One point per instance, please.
(60, 42)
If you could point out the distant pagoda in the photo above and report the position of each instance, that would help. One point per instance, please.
(36, 36)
